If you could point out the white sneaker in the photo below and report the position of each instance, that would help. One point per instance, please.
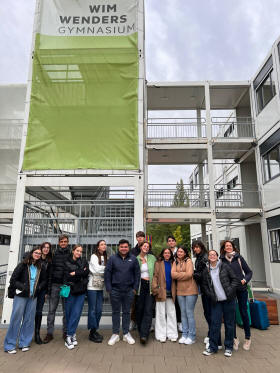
(24, 349)
(180, 328)
(173, 339)
(183, 340)
(189, 341)
(220, 347)
(114, 339)
(207, 346)
(162, 340)
(68, 343)
(132, 325)
(14, 351)
(74, 340)
(228, 353)
(206, 340)
(128, 338)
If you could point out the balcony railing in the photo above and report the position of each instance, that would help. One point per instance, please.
(168, 195)
(7, 199)
(170, 128)
(240, 127)
(241, 195)
(10, 133)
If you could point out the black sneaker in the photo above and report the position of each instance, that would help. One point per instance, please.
(208, 352)
(99, 335)
(143, 340)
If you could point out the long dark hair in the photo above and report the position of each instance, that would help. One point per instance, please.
(28, 259)
(97, 253)
(161, 257)
(186, 252)
(222, 250)
(200, 244)
(49, 255)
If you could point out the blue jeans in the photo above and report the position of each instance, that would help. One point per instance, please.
(242, 297)
(73, 310)
(121, 299)
(187, 304)
(95, 303)
(21, 324)
(226, 310)
(40, 302)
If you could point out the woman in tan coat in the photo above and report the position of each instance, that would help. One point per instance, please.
(187, 292)
(164, 290)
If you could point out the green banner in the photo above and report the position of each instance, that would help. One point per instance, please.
(84, 96)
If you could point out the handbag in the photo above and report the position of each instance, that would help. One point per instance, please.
(64, 291)
(98, 281)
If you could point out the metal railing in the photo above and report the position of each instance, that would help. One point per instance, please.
(10, 133)
(169, 195)
(7, 199)
(240, 127)
(168, 128)
(3, 277)
(242, 195)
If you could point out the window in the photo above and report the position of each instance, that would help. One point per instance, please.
(264, 85)
(5, 239)
(274, 236)
(271, 163)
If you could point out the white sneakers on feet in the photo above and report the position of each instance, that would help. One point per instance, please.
(14, 351)
(24, 349)
(206, 340)
(186, 341)
(128, 338)
(228, 353)
(114, 339)
(68, 343)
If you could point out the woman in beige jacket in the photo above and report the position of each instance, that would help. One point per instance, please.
(187, 292)
(164, 290)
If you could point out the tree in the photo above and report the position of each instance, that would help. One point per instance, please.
(178, 235)
(180, 197)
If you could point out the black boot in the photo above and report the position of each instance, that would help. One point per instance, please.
(38, 320)
(94, 337)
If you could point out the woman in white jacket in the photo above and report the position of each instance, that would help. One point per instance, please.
(95, 287)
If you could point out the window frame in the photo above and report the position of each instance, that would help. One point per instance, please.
(270, 245)
(265, 157)
(259, 91)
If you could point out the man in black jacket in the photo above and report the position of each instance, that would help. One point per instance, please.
(122, 276)
(140, 238)
(55, 282)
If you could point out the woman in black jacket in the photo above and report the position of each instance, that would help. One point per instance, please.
(76, 272)
(46, 259)
(201, 254)
(219, 283)
(230, 255)
(26, 282)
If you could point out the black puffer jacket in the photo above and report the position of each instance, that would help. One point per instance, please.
(228, 280)
(20, 280)
(235, 266)
(78, 282)
(57, 267)
(199, 265)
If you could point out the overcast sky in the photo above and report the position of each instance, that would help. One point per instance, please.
(185, 40)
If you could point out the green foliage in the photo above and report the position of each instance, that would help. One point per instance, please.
(181, 196)
(159, 233)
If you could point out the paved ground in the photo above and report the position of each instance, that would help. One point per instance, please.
(154, 358)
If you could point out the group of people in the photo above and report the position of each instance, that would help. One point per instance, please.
(141, 287)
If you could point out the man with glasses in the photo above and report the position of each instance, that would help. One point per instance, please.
(55, 282)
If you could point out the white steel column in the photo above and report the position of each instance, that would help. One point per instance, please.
(15, 245)
(138, 205)
(210, 167)
(203, 233)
